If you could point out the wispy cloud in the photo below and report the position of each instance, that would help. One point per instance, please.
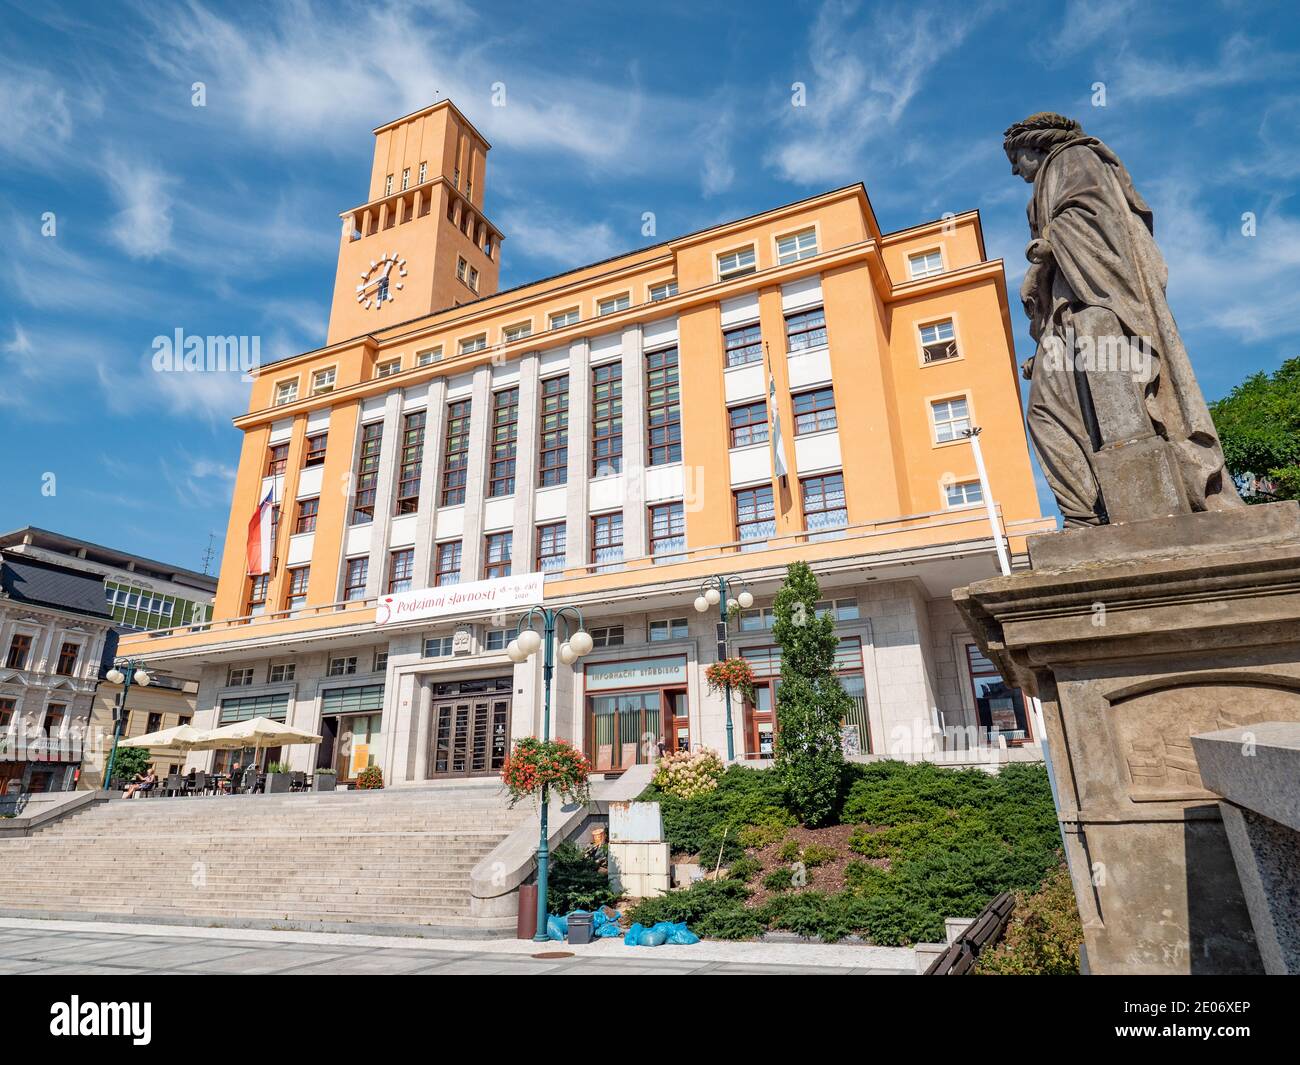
(545, 235)
(142, 226)
(1142, 76)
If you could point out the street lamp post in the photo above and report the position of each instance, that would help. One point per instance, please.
(716, 591)
(526, 643)
(125, 671)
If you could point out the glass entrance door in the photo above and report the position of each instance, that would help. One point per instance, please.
(358, 743)
(625, 728)
(470, 736)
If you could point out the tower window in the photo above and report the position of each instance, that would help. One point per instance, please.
(406, 179)
(424, 171)
(388, 185)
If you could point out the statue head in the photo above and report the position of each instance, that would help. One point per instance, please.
(1027, 143)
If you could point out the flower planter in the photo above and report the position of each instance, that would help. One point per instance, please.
(276, 783)
(324, 781)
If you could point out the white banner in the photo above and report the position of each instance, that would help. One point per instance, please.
(502, 595)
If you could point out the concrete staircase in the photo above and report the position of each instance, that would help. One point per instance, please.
(387, 860)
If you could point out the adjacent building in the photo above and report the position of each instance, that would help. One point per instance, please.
(64, 605)
(794, 385)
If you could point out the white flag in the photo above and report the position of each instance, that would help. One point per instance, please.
(778, 445)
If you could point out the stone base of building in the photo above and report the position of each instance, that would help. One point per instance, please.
(1137, 637)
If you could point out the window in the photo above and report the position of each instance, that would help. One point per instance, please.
(342, 667)
(998, 707)
(747, 424)
(296, 597)
(68, 655)
(277, 459)
(7, 712)
(496, 555)
(607, 636)
(401, 570)
(447, 565)
(517, 332)
(839, 609)
(307, 510)
(411, 462)
(19, 648)
(667, 531)
(438, 647)
(472, 344)
(275, 530)
(614, 304)
(455, 460)
(55, 713)
(796, 246)
(282, 674)
(388, 185)
(951, 418)
(562, 318)
(669, 629)
(239, 676)
(354, 581)
(406, 179)
(551, 540)
(316, 450)
(607, 541)
(663, 292)
(461, 268)
(381, 662)
(925, 264)
(496, 639)
(757, 619)
(736, 264)
(607, 419)
(455, 176)
(743, 345)
(429, 357)
(424, 171)
(257, 594)
(755, 516)
(938, 342)
(323, 381)
(505, 442)
(805, 329)
(823, 502)
(553, 461)
(286, 392)
(663, 407)
(473, 278)
(964, 494)
(814, 411)
(363, 506)
(388, 368)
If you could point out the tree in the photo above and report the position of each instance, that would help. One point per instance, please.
(129, 762)
(810, 703)
(1259, 428)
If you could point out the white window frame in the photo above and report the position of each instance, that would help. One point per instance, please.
(518, 331)
(613, 304)
(280, 399)
(287, 672)
(319, 389)
(666, 290)
(564, 319)
(246, 674)
(962, 504)
(741, 269)
(935, 423)
(800, 250)
(936, 324)
(924, 254)
(428, 356)
(349, 666)
(668, 626)
(469, 345)
(388, 367)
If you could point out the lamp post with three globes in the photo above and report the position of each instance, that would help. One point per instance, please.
(716, 591)
(125, 671)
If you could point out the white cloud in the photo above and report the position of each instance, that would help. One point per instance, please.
(1088, 21)
(864, 75)
(142, 226)
(1241, 60)
(541, 234)
(35, 116)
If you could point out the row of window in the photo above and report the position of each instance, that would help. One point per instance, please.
(51, 725)
(19, 655)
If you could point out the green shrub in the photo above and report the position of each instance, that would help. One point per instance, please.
(576, 880)
(756, 837)
(743, 798)
(816, 854)
(744, 868)
(789, 851)
(1044, 935)
(814, 913)
(130, 762)
(861, 876)
(779, 879)
(712, 908)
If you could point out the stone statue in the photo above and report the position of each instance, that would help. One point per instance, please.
(1116, 416)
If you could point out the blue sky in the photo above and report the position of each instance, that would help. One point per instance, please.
(222, 219)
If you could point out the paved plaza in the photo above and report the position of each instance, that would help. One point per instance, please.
(42, 948)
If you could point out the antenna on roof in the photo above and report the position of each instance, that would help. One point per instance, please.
(209, 554)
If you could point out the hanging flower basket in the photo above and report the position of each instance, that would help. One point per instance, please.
(554, 764)
(731, 673)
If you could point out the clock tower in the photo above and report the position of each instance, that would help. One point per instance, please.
(420, 242)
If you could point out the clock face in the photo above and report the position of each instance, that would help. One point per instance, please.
(382, 281)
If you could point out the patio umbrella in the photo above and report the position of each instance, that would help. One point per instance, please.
(177, 738)
(256, 732)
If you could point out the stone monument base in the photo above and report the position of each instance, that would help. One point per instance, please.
(1137, 637)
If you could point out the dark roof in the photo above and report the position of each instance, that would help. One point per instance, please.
(40, 583)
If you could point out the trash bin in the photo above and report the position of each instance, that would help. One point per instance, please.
(579, 929)
(526, 923)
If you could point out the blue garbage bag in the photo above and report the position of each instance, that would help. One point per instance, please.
(633, 937)
(608, 930)
(557, 928)
(656, 936)
(682, 935)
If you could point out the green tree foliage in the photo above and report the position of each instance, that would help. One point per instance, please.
(1259, 427)
(1044, 935)
(576, 880)
(130, 762)
(810, 703)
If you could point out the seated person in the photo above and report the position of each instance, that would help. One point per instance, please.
(143, 782)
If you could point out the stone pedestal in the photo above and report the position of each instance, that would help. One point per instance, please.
(1137, 637)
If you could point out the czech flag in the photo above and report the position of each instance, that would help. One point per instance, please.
(259, 537)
